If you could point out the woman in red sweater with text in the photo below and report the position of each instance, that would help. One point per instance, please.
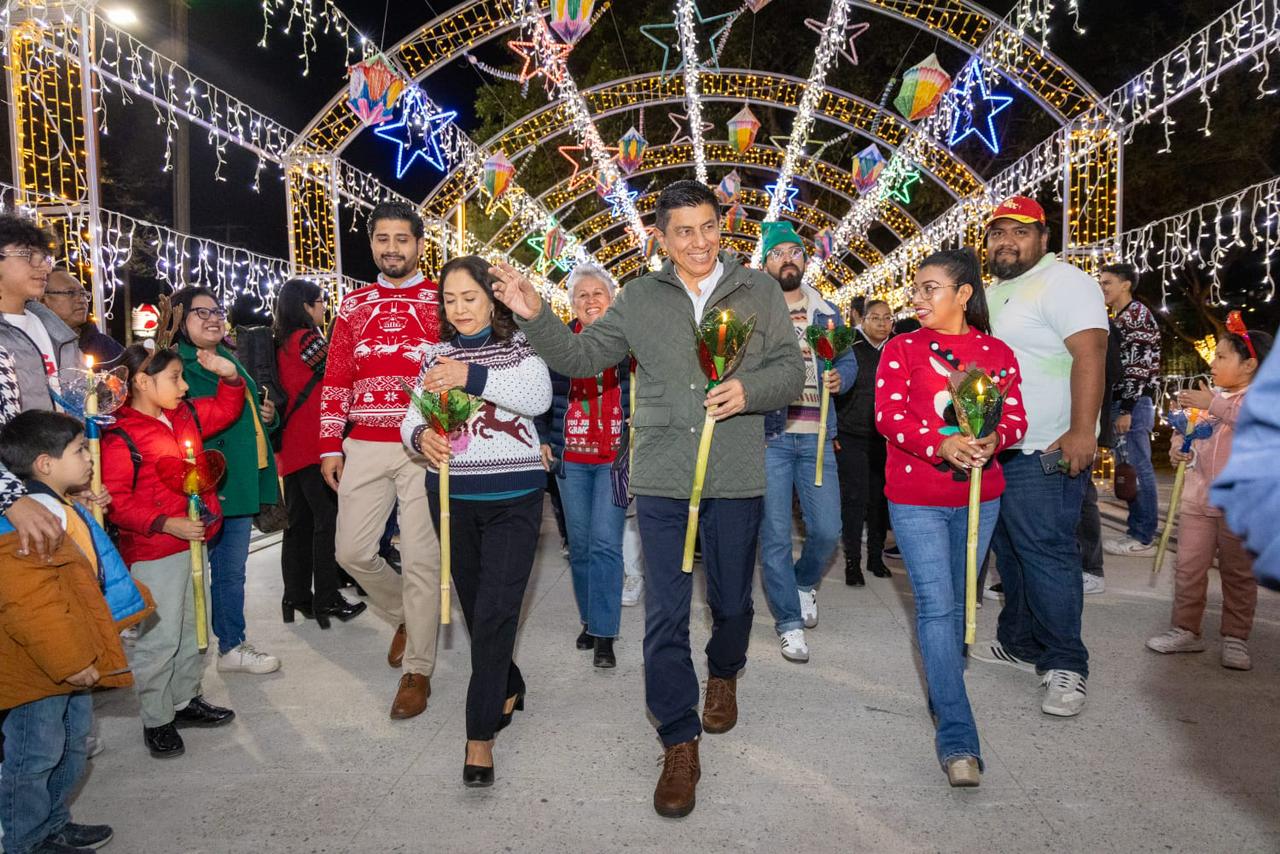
(926, 477)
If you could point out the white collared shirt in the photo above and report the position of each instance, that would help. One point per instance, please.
(706, 286)
(416, 279)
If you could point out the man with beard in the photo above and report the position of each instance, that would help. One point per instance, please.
(1053, 317)
(653, 317)
(375, 350)
(790, 456)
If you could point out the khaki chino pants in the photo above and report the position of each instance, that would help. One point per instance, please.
(374, 477)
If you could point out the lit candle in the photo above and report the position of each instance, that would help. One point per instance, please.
(724, 319)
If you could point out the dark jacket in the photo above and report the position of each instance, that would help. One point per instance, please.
(856, 407)
(32, 380)
(1114, 375)
(551, 423)
(653, 318)
(846, 365)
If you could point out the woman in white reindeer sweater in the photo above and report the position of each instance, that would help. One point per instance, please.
(496, 479)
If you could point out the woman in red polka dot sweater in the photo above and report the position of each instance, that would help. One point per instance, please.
(926, 476)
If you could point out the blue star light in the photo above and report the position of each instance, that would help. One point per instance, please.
(617, 196)
(976, 112)
(417, 133)
(790, 203)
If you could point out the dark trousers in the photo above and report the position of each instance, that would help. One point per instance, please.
(307, 553)
(493, 549)
(729, 529)
(1089, 532)
(860, 463)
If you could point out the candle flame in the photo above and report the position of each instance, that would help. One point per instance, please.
(88, 361)
(724, 317)
(188, 444)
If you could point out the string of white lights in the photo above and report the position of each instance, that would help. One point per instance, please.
(329, 20)
(688, 44)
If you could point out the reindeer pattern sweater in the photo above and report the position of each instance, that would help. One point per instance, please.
(496, 453)
(379, 340)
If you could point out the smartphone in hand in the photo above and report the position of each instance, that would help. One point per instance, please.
(1051, 462)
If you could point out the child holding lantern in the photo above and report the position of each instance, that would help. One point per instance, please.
(926, 476)
(1202, 530)
(155, 533)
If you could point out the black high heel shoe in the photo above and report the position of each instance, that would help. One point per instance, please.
(505, 719)
(288, 608)
(476, 776)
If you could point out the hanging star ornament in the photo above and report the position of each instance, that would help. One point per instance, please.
(898, 180)
(618, 196)
(976, 111)
(852, 30)
(649, 30)
(788, 204)
(417, 133)
(681, 121)
(579, 176)
(553, 72)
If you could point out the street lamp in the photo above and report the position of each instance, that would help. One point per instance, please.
(121, 16)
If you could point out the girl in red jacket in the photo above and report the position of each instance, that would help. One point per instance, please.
(926, 476)
(154, 531)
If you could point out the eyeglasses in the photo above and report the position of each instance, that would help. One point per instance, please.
(878, 318)
(210, 313)
(37, 258)
(76, 294)
(927, 292)
(795, 253)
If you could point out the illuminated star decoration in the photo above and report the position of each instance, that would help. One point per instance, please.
(681, 121)
(539, 246)
(417, 133)
(648, 30)
(579, 177)
(619, 195)
(976, 112)
(898, 180)
(790, 203)
(553, 72)
(853, 31)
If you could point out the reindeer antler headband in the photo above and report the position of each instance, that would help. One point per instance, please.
(166, 329)
(1235, 325)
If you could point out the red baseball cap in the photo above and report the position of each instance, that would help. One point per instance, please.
(1018, 208)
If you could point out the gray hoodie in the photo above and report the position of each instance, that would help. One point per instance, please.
(33, 382)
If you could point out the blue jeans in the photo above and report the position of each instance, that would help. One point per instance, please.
(228, 554)
(729, 528)
(1039, 561)
(789, 461)
(933, 541)
(44, 758)
(594, 524)
(1145, 509)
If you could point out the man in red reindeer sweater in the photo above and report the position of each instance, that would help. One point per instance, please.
(376, 348)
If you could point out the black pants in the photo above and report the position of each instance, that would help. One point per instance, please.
(860, 463)
(494, 543)
(1089, 532)
(730, 528)
(307, 555)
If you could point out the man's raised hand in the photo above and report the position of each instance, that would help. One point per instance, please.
(514, 290)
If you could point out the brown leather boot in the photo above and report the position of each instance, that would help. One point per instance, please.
(720, 708)
(395, 655)
(674, 796)
(411, 696)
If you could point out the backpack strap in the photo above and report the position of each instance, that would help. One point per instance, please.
(195, 415)
(316, 376)
(134, 455)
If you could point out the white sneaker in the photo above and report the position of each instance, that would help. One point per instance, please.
(1176, 640)
(1127, 545)
(246, 659)
(632, 589)
(993, 594)
(809, 607)
(93, 745)
(793, 646)
(1235, 654)
(1093, 584)
(995, 653)
(1065, 697)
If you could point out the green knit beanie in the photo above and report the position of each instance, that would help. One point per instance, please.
(775, 233)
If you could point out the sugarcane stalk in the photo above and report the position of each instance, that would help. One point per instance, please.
(971, 558)
(695, 497)
(446, 562)
(197, 577)
(822, 433)
(1174, 499)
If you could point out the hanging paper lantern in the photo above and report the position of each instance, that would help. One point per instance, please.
(553, 243)
(631, 151)
(373, 88)
(729, 186)
(743, 129)
(923, 86)
(498, 171)
(734, 219)
(825, 244)
(650, 244)
(867, 166)
(757, 5)
(570, 19)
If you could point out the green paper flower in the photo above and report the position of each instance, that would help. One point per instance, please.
(829, 343)
(721, 340)
(444, 411)
(977, 401)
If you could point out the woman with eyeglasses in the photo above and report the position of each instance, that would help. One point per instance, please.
(927, 476)
(307, 557)
(250, 483)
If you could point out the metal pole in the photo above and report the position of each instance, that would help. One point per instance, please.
(182, 133)
(85, 20)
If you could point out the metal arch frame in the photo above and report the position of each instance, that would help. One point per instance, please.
(442, 25)
(901, 223)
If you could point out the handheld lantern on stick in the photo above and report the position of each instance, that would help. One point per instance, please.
(191, 476)
(92, 396)
(721, 340)
(1187, 424)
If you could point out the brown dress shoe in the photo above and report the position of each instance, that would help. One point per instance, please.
(674, 796)
(395, 655)
(411, 696)
(720, 708)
